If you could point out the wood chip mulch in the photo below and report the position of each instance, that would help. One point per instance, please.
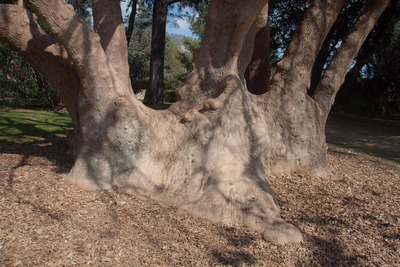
(350, 220)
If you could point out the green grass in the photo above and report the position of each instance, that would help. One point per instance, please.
(20, 125)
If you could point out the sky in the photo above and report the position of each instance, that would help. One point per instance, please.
(183, 29)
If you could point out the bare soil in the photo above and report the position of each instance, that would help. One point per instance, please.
(352, 219)
(369, 135)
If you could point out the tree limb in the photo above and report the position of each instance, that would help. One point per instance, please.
(222, 49)
(302, 51)
(335, 74)
(258, 71)
(19, 29)
(108, 24)
(84, 47)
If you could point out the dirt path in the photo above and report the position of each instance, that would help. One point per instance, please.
(372, 136)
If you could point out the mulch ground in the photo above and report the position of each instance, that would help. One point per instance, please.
(351, 220)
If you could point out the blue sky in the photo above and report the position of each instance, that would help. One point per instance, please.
(183, 29)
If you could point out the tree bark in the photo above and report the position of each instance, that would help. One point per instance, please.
(155, 92)
(131, 22)
(108, 24)
(320, 61)
(336, 72)
(258, 72)
(19, 29)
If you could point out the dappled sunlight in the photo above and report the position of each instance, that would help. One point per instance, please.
(27, 125)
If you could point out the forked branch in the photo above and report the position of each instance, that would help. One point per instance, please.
(302, 51)
(20, 30)
(108, 24)
(335, 74)
(83, 45)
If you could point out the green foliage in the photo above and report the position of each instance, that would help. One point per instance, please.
(23, 85)
(186, 57)
(173, 68)
(28, 125)
(139, 49)
(196, 16)
(139, 67)
(178, 63)
(177, 59)
(373, 87)
(81, 7)
(376, 87)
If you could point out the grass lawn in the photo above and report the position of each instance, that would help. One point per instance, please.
(21, 125)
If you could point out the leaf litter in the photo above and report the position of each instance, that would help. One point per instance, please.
(352, 220)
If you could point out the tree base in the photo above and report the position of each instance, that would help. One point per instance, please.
(210, 161)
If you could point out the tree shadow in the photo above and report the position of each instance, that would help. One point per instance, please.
(328, 249)
(235, 253)
(52, 148)
(27, 127)
(330, 252)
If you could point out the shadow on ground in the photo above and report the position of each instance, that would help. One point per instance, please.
(372, 136)
(53, 148)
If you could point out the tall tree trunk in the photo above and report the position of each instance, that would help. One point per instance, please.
(155, 92)
(131, 22)
(210, 152)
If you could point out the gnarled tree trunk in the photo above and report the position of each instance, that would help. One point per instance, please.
(210, 152)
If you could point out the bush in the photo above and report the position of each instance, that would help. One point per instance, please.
(23, 85)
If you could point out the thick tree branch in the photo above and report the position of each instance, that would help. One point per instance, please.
(84, 47)
(258, 71)
(294, 70)
(108, 24)
(335, 74)
(223, 48)
(19, 29)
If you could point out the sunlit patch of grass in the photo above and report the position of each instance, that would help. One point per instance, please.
(20, 125)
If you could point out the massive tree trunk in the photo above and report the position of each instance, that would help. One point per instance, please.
(210, 152)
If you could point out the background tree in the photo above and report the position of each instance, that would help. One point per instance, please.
(131, 21)
(154, 94)
(175, 68)
(285, 17)
(223, 140)
(140, 48)
(371, 86)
